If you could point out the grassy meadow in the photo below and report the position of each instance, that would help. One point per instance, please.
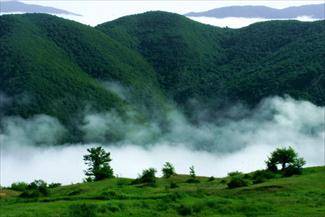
(296, 196)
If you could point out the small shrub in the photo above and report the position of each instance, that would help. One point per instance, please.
(112, 195)
(114, 208)
(75, 192)
(173, 185)
(237, 181)
(19, 186)
(235, 173)
(192, 172)
(211, 179)
(192, 178)
(175, 196)
(109, 208)
(35, 189)
(198, 207)
(148, 176)
(122, 182)
(260, 176)
(54, 185)
(223, 181)
(83, 210)
(185, 210)
(30, 194)
(192, 181)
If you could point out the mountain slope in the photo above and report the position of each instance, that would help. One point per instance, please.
(61, 66)
(196, 61)
(181, 51)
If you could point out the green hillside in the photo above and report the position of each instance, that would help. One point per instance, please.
(58, 67)
(280, 197)
(207, 63)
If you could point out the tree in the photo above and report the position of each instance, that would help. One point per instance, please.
(148, 176)
(192, 178)
(288, 159)
(168, 170)
(192, 172)
(98, 164)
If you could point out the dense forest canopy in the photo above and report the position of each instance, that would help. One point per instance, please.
(61, 68)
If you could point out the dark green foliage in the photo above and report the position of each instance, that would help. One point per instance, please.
(83, 210)
(213, 64)
(173, 185)
(237, 180)
(260, 176)
(211, 179)
(35, 189)
(98, 164)
(192, 172)
(235, 173)
(110, 208)
(57, 67)
(19, 186)
(54, 185)
(185, 210)
(168, 170)
(148, 177)
(30, 193)
(295, 168)
(288, 159)
(192, 178)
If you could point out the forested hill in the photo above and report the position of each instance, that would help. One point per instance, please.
(61, 66)
(58, 67)
(199, 61)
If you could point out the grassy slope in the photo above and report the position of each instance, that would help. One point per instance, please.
(295, 196)
(205, 62)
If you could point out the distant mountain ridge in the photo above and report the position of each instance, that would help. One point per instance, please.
(17, 6)
(316, 11)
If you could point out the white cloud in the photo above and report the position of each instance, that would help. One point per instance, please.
(228, 144)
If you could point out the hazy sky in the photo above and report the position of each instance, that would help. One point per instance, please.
(95, 12)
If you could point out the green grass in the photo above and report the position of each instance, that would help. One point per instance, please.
(295, 196)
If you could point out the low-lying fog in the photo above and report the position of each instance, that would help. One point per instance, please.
(239, 22)
(213, 148)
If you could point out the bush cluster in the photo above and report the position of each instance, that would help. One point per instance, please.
(148, 177)
(237, 179)
(36, 188)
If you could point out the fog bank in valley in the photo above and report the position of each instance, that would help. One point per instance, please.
(214, 148)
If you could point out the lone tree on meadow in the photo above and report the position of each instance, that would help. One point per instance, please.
(98, 161)
(288, 159)
(168, 170)
(192, 172)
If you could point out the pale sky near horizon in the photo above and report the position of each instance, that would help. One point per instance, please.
(96, 12)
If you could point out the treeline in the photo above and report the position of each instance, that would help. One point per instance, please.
(283, 162)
